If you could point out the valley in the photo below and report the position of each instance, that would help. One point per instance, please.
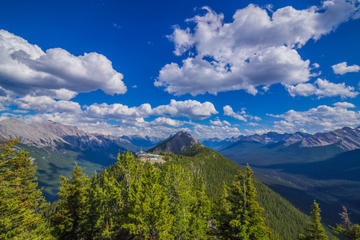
(323, 166)
(299, 173)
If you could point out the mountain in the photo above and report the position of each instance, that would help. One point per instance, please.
(178, 143)
(303, 167)
(282, 216)
(267, 138)
(57, 148)
(274, 137)
(347, 138)
(143, 142)
(52, 134)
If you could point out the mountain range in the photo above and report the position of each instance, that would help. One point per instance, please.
(57, 148)
(52, 134)
(300, 166)
(346, 138)
(303, 167)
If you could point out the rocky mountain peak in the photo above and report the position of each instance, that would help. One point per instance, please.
(347, 138)
(177, 143)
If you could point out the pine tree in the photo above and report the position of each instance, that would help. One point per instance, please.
(178, 185)
(188, 202)
(315, 230)
(200, 212)
(20, 200)
(241, 215)
(346, 229)
(222, 214)
(149, 214)
(104, 208)
(69, 215)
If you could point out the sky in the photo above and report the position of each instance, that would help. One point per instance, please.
(216, 69)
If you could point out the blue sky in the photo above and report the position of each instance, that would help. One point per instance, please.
(214, 68)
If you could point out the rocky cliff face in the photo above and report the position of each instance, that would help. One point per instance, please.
(30, 134)
(347, 138)
(52, 134)
(177, 143)
(274, 137)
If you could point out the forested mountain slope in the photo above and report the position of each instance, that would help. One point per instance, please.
(281, 216)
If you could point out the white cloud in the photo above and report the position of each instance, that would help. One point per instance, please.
(342, 68)
(323, 88)
(256, 131)
(47, 104)
(167, 121)
(202, 131)
(218, 122)
(321, 118)
(255, 49)
(228, 111)
(182, 40)
(191, 109)
(117, 111)
(161, 127)
(27, 69)
(344, 105)
(242, 116)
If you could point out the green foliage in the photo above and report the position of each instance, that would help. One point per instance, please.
(132, 199)
(68, 219)
(148, 207)
(188, 202)
(240, 215)
(104, 208)
(53, 163)
(180, 199)
(20, 200)
(283, 218)
(315, 230)
(346, 229)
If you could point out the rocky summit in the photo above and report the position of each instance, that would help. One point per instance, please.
(177, 143)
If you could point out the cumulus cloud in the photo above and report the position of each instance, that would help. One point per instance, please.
(47, 104)
(117, 111)
(26, 69)
(167, 121)
(203, 131)
(218, 122)
(191, 109)
(254, 49)
(321, 118)
(323, 88)
(242, 116)
(342, 68)
(161, 127)
(228, 111)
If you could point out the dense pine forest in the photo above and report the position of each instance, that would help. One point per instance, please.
(190, 196)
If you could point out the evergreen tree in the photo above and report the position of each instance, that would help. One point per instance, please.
(69, 214)
(149, 214)
(315, 230)
(346, 229)
(201, 210)
(20, 200)
(178, 185)
(188, 203)
(105, 208)
(240, 216)
(222, 214)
